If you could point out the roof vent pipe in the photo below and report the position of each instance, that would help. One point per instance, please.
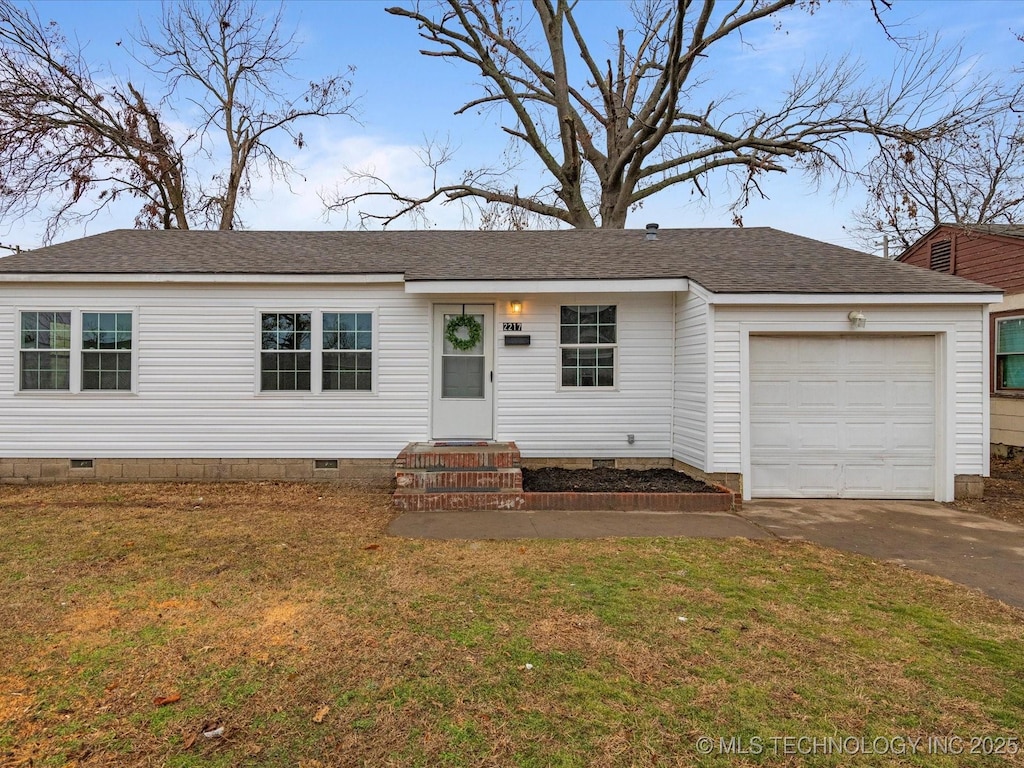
(652, 232)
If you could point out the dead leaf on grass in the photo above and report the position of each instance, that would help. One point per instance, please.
(321, 714)
(163, 701)
(190, 740)
(372, 546)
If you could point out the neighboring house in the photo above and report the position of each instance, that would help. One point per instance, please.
(765, 360)
(992, 254)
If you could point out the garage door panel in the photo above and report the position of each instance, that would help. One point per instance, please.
(816, 435)
(909, 436)
(816, 393)
(865, 436)
(870, 393)
(775, 478)
(850, 416)
(816, 478)
(773, 393)
(913, 394)
(816, 352)
(916, 350)
(866, 480)
(772, 351)
(914, 480)
(773, 436)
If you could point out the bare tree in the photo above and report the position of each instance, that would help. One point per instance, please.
(62, 136)
(238, 61)
(609, 133)
(968, 176)
(77, 139)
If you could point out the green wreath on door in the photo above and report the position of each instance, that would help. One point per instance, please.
(473, 329)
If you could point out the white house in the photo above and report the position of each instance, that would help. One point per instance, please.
(768, 361)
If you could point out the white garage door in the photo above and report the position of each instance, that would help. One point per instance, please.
(842, 416)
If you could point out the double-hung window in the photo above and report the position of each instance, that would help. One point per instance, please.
(316, 352)
(64, 350)
(106, 351)
(285, 351)
(1010, 353)
(347, 351)
(588, 339)
(46, 351)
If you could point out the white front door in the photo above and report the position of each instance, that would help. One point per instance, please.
(463, 365)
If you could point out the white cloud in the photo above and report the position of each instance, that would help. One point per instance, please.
(324, 167)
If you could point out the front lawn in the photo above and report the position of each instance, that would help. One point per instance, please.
(136, 618)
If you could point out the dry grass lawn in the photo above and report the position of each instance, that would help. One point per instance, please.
(136, 618)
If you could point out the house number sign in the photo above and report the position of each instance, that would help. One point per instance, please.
(514, 327)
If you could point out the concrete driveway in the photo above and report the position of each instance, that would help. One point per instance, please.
(970, 549)
(978, 551)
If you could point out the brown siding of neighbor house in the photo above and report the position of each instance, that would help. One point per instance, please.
(990, 259)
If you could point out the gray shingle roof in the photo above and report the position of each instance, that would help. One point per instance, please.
(754, 260)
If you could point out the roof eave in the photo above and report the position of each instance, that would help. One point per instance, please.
(902, 298)
(200, 277)
(560, 285)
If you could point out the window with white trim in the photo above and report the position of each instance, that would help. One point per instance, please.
(588, 340)
(46, 351)
(347, 352)
(285, 351)
(64, 350)
(107, 351)
(1010, 353)
(341, 360)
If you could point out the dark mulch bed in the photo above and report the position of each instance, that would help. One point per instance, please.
(608, 480)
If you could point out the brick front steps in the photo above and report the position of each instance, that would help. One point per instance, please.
(433, 476)
(439, 476)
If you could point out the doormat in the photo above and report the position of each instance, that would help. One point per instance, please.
(458, 443)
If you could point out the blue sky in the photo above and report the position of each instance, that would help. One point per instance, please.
(405, 98)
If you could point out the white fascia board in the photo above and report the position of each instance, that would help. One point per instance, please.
(159, 277)
(701, 291)
(862, 299)
(468, 287)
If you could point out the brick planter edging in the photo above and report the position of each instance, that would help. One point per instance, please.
(719, 501)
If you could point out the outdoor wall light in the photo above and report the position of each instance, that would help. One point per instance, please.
(515, 307)
(857, 319)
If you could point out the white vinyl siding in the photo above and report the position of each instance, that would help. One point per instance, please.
(690, 391)
(198, 373)
(196, 368)
(547, 420)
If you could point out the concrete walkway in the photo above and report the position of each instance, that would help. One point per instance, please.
(978, 551)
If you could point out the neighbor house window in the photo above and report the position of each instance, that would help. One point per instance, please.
(285, 351)
(347, 351)
(107, 351)
(588, 338)
(46, 350)
(1010, 353)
